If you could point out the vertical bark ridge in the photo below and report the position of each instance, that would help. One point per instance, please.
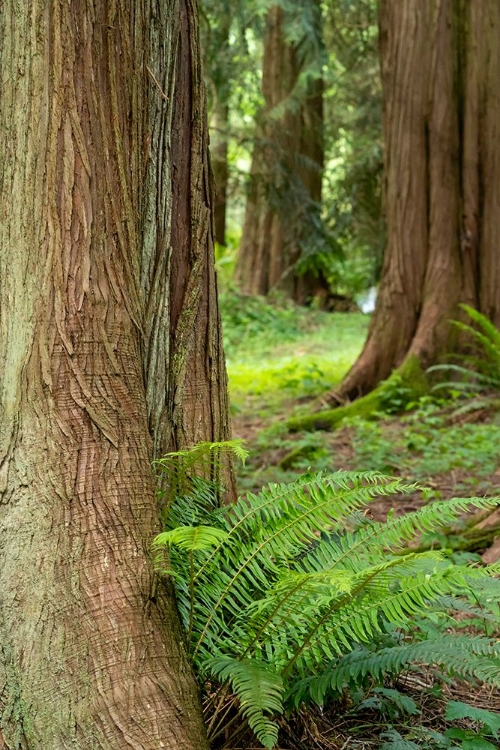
(198, 386)
(194, 404)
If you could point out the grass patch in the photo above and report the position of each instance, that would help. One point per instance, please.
(277, 351)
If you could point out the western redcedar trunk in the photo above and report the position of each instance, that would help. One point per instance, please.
(440, 64)
(286, 171)
(110, 354)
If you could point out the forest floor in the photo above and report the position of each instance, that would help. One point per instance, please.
(281, 361)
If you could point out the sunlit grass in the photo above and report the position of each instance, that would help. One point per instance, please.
(276, 366)
(277, 353)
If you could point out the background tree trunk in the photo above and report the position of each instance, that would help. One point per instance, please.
(221, 69)
(441, 73)
(285, 179)
(110, 353)
(219, 125)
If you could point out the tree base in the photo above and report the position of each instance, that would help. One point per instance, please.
(407, 383)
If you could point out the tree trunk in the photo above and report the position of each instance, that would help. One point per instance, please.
(440, 64)
(110, 354)
(219, 63)
(219, 126)
(284, 192)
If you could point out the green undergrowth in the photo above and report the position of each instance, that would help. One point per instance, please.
(426, 443)
(294, 599)
(281, 356)
(278, 352)
(405, 387)
(280, 359)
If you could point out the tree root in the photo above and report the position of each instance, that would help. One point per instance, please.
(407, 383)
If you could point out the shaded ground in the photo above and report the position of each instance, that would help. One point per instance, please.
(408, 449)
(344, 726)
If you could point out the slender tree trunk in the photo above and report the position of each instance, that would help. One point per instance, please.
(109, 354)
(285, 180)
(219, 153)
(440, 72)
(221, 64)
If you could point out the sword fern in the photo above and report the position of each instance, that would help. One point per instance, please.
(281, 594)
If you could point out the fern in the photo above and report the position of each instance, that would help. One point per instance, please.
(475, 374)
(195, 475)
(462, 655)
(259, 689)
(279, 587)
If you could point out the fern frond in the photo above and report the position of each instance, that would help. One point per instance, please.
(328, 497)
(294, 599)
(473, 380)
(489, 348)
(259, 689)
(372, 541)
(191, 457)
(274, 527)
(464, 655)
(191, 538)
(358, 620)
(461, 606)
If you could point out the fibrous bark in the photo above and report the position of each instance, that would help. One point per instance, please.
(284, 191)
(440, 72)
(109, 354)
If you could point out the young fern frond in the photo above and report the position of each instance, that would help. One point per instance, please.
(194, 475)
(192, 538)
(275, 587)
(259, 689)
